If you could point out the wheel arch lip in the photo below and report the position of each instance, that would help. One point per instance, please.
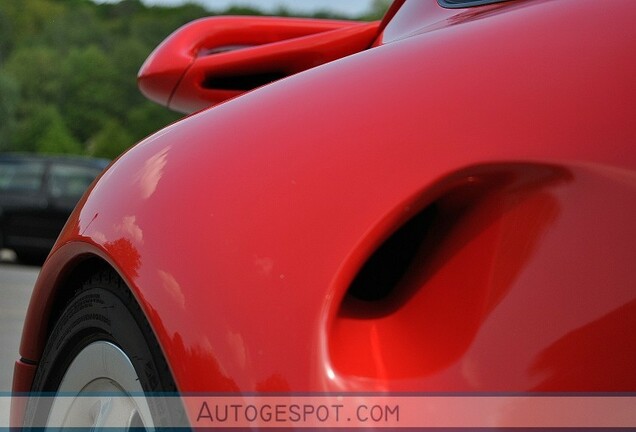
(61, 264)
(67, 260)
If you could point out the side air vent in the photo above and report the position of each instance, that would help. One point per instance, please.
(429, 285)
(389, 264)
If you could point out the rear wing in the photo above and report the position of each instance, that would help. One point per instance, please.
(213, 59)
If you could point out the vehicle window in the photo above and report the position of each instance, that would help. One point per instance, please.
(68, 181)
(21, 176)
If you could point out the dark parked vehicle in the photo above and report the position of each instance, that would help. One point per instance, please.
(37, 195)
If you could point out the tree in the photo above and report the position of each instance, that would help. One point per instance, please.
(111, 141)
(9, 98)
(144, 119)
(57, 139)
(377, 10)
(38, 71)
(68, 68)
(45, 131)
(90, 91)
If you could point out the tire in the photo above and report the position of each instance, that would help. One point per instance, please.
(102, 345)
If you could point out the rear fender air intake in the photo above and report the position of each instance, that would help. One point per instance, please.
(422, 291)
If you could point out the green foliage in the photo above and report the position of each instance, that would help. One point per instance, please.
(377, 10)
(141, 118)
(56, 138)
(9, 96)
(111, 141)
(45, 132)
(91, 95)
(68, 72)
(38, 71)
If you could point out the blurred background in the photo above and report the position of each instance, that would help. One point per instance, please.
(68, 67)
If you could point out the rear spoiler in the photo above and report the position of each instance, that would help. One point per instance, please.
(213, 59)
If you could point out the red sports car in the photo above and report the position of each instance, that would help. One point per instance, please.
(443, 202)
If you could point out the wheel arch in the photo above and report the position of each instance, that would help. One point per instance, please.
(69, 281)
(63, 274)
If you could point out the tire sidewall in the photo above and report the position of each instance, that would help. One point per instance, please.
(104, 310)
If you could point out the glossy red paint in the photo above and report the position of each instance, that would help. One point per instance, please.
(240, 229)
(23, 374)
(214, 59)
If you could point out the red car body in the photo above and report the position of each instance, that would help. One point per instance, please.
(506, 131)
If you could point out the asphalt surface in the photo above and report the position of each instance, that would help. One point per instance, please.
(16, 284)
